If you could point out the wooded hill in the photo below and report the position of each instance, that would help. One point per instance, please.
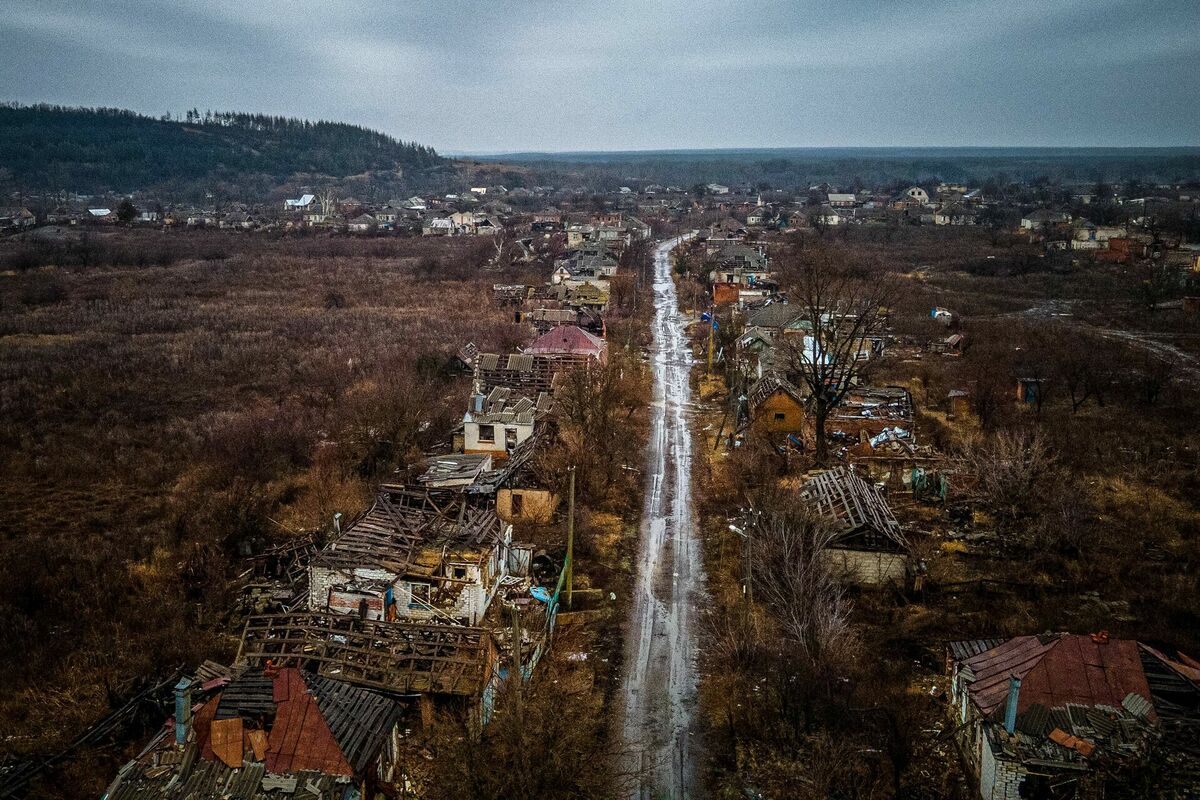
(47, 147)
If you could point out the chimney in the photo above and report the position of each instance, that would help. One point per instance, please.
(337, 523)
(1010, 710)
(183, 710)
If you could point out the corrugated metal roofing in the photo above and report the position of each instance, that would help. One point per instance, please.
(568, 339)
(1058, 672)
(359, 719)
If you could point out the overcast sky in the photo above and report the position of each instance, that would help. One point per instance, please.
(643, 74)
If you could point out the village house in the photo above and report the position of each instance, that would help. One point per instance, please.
(953, 214)
(779, 318)
(776, 406)
(727, 231)
(868, 547)
(269, 733)
(592, 264)
(437, 226)
(738, 264)
(386, 217)
(588, 298)
(499, 421)
(570, 340)
(1087, 235)
(828, 216)
(761, 216)
(1058, 711)
(543, 319)
(1044, 218)
(400, 560)
(16, 219)
(363, 223)
(546, 221)
(300, 204)
(841, 200)
(951, 345)
(915, 195)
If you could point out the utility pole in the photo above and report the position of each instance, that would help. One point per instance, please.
(570, 536)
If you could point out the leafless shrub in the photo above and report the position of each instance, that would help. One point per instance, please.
(1008, 468)
(792, 575)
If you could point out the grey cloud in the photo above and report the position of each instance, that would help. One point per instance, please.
(518, 75)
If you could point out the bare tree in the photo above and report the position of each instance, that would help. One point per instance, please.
(845, 309)
(500, 242)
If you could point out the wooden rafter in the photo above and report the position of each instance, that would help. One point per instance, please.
(390, 656)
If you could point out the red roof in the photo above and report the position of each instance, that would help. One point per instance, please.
(568, 339)
(299, 739)
(1056, 670)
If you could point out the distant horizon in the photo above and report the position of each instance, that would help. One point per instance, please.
(985, 149)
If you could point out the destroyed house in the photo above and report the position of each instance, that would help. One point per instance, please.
(496, 423)
(545, 319)
(593, 265)
(277, 733)
(454, 471)
(394, 657)
(738, 263)
(404, 561)
(891, 456)
(525, 373)
(867, 411)
(868, 547)
(1062, 711)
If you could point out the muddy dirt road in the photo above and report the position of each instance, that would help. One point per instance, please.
(659, 700)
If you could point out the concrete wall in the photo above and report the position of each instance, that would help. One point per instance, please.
(868, 568)
(537, 505)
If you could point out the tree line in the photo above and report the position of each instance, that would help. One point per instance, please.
(47, 147)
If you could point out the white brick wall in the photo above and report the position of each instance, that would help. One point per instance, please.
(868, 568)
(998, 779)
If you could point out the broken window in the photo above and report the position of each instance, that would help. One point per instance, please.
(459, 573)
(780, 416)
(518, 504)
(487, 433)
(419, 595)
